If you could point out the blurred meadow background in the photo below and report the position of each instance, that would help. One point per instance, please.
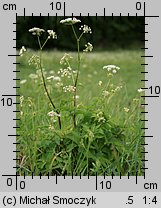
(113, 146)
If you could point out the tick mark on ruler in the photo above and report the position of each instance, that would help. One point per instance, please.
(24, 11)
(112, 16)
(104, 13)
(11, 95)
(136, 16)
(14, 55)
(96, 181)
(147, 56)
(150, 96)
(64, 9)
(24, 174)
(145, 24)
(40, 175)
(72, 175)
(16, 79)
(56, 178)
(151, 16)
(16, 87)
(112, 175)
(120, 16)
(16, 159)
(136, 177)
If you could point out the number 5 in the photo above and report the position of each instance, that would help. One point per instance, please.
(130, 200)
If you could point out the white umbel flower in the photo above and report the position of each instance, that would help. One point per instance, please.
(70, 21)
(100, 117)
(52, 34)
(58, 79)
(100, 83)
(126, 109)
(89, 47)
(85, 29)
(33, 76)
(105, 93)
(65, 59)
(112, 68)
(22, 51)
(69, 88)
(36, 31)
(65, 72)
(23, 81)
(53, 114)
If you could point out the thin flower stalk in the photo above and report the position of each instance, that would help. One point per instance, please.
(44, 82)
(77, 75)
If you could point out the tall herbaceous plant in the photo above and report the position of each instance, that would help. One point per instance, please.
(62, 134)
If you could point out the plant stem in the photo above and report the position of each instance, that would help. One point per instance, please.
(44, 84)
(77, 75)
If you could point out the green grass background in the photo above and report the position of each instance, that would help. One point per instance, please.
(35, 156)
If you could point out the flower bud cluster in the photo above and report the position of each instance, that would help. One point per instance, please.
(69, 88)
(65, 72)
(89, 47)
(65, 59)
(86, 29)
(22, 51)
(53, 114)
(52, 34)
(34, 60)
(100, 117)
